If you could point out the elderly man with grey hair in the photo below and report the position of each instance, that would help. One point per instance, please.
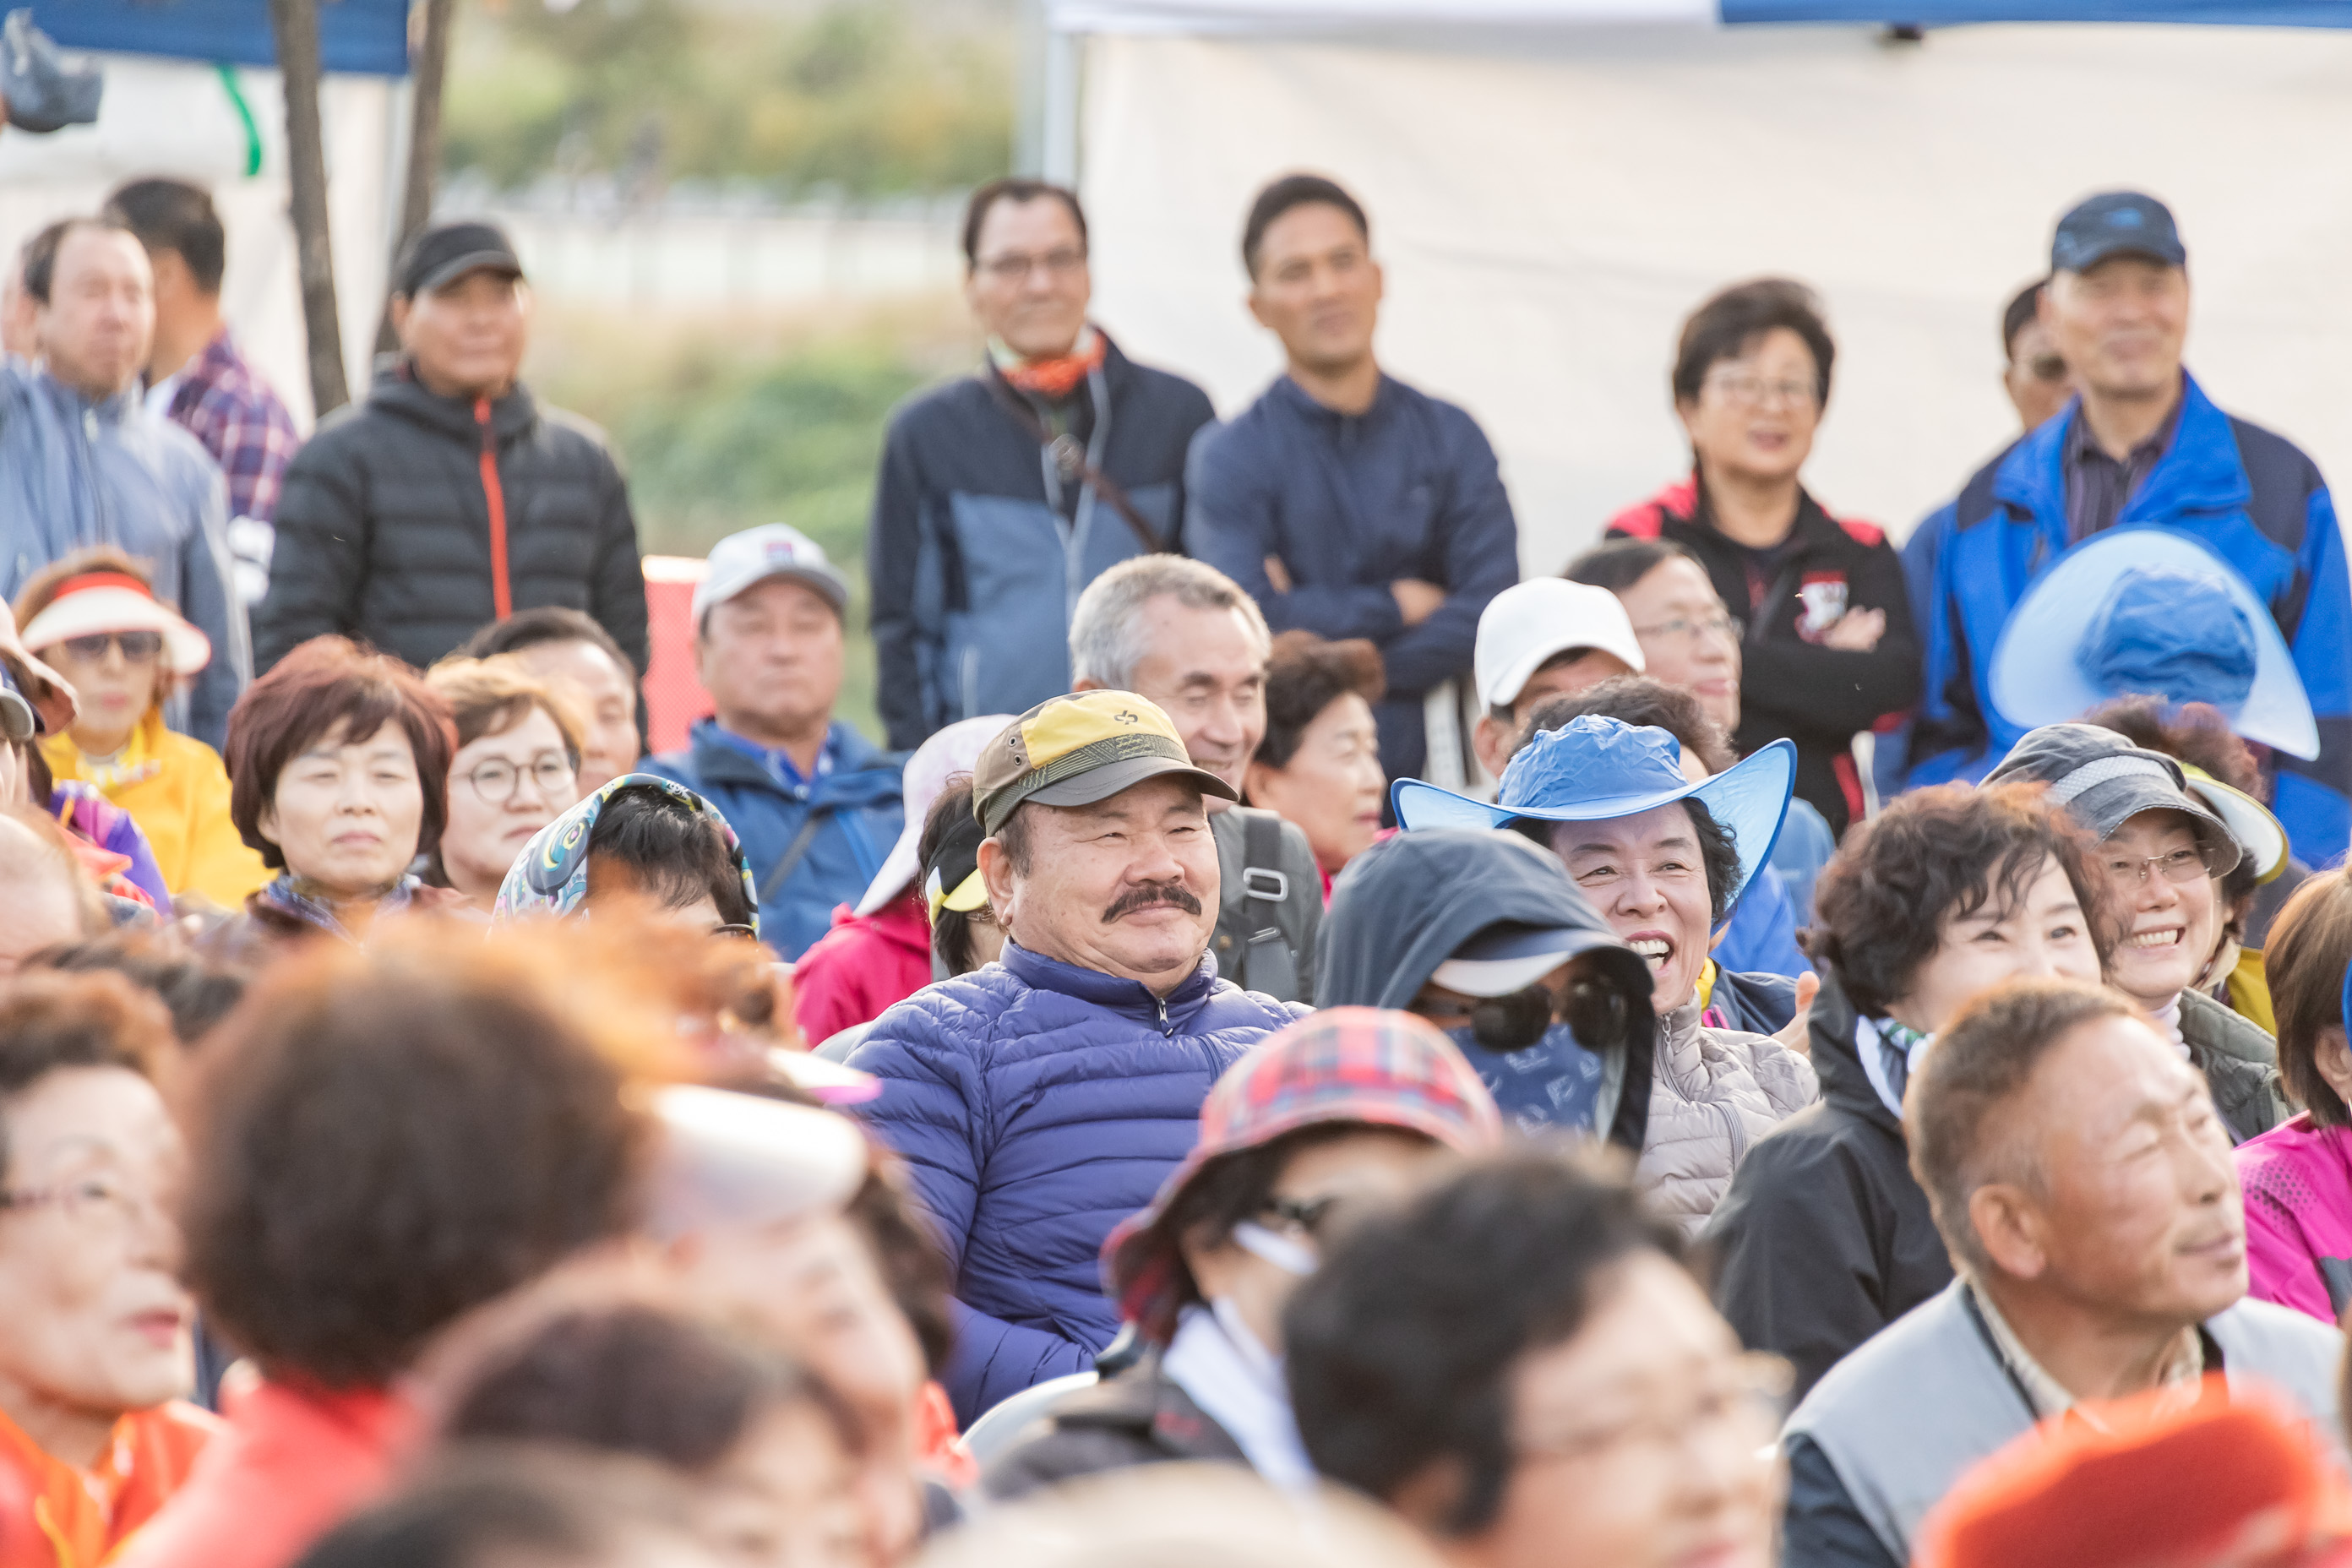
(1184, 635)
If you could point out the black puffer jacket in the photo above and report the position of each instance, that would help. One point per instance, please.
(1824, 1238)
(384, 526)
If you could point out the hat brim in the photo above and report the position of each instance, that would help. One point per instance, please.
(448, 272)
(2104, 807)
(2258, 833)
(1101, 784)
(827, 586)
(1750, 799)
(2037, 678)
(1533, 954)
(739, 1161)
(830, 1083)
(95, 610)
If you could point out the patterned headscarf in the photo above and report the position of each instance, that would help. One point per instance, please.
(551, 876)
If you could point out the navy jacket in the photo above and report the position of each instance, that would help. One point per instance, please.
(1350, 504)
(1036, 1105)
(858, 818)
(2251, 497)
(973, 564)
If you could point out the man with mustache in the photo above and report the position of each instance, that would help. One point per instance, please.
(2077, 1172)
(1042, 1099)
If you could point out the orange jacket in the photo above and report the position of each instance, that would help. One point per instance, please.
(53, 1515)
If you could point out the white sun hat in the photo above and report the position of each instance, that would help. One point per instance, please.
(1528, 623)
(955, 749)
(96, 602)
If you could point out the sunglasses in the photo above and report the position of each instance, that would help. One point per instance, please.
(138, 647)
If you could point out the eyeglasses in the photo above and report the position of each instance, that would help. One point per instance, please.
(138, 647)
(494, 780)
(1689, 630)
(1016, 268)
(1746, 1399)
(2178, 866)
(1755, 392)
(94, 1203)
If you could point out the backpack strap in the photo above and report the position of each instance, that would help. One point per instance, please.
(1267, 964)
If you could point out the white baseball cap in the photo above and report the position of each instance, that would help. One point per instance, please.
(1528, 623)
(744, 559)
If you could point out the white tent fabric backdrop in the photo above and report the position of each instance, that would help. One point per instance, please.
(1550, 203)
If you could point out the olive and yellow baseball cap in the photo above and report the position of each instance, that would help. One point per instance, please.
(1077, 750)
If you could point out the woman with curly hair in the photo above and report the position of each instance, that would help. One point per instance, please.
(381, 1141)
(1824, 1238)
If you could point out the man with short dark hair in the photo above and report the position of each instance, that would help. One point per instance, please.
(2076, 1169)
(451, 496)
(2141, 446)
(817, 805)
(1042, 1099)
(86, 463)
(2036, 378)
(1185, 636)
(195, 376)
(1004, 494)
(1346, 503)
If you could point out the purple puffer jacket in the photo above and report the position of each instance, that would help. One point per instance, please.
(2298, 1183)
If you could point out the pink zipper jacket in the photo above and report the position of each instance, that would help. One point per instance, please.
(2298, 1184)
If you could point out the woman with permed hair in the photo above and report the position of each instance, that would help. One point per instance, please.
(1824, 1238)
(380, 1141)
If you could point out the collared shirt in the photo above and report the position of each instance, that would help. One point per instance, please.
(220, 400)
(2098, 486)
(779, 765)
(2051, 1397)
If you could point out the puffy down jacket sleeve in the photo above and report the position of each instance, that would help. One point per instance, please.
(318, 563)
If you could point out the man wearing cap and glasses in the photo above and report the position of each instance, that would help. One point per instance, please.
(2142, 447)
(817, 806)
(89, 464)
(450, 497)
(1041, 1099)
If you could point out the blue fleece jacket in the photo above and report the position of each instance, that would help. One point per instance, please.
(858, 818)
(1349, 504)
(2251, 497)
(1036, 1105)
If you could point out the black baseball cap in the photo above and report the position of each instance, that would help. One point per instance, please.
(447, 251)
(2116, 223)
(2103, 780)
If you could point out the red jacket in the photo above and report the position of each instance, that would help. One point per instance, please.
(292, 1464)
(861, 968)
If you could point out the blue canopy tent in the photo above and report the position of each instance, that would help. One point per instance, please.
(365, 37)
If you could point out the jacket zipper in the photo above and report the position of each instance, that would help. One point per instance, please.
(501, 592)
(1167, 1029)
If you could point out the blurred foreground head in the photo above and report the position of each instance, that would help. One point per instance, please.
(2219, 1481)
(1517, 1362)
(382, 1139)
(1181, 1516)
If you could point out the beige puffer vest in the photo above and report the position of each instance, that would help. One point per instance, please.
(1713, 1093)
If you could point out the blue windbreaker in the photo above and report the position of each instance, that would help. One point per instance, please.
(860, 818)
(1036, 1105)
(2251, 497)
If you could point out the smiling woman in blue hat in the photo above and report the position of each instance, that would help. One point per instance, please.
(1663, 859)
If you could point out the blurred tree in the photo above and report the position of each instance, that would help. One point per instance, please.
(866, 97)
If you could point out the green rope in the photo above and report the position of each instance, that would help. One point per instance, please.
(245, 115)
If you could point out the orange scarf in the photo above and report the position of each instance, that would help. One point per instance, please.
(1054, 378)
(53, 1515)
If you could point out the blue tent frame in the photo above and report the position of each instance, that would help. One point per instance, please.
(364, 37)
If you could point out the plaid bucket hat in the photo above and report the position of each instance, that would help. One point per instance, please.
(1360, 1066)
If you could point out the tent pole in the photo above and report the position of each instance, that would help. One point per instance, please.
(1030, 42)
(423, 169)
(296, 23)
(1061, 107)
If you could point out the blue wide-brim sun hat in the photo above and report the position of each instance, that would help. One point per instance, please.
(2149, 612)
(1593, 769)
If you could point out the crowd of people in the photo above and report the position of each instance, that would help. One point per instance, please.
(1760, 1047)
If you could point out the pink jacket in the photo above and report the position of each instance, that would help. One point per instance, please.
(861, 968)
(2298, 1183)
